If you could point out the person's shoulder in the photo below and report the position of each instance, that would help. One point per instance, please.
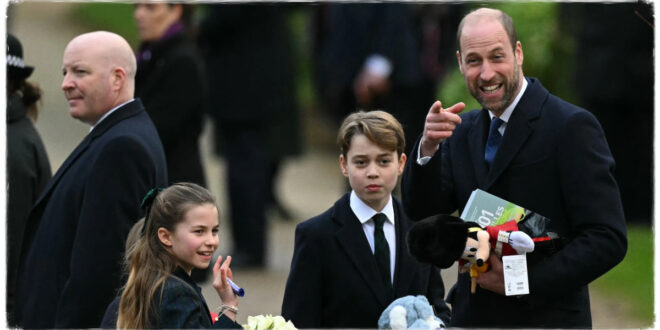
(130, 121)
(562, 110)
(175, 288)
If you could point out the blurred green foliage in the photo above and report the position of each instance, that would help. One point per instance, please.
(631, 282)
(109, 16)
(300, 37)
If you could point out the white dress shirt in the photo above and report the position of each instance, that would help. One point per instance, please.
(364, 213)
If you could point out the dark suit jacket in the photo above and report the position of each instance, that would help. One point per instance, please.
(182, 307)
(553, 160)
(76, 231)
(333, 282)
(171, 84)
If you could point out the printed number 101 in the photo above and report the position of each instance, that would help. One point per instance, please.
(485, 219)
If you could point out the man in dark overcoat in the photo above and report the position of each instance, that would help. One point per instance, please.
(76, 231)
(541, 153)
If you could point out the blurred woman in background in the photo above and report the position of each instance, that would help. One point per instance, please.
(170, 83)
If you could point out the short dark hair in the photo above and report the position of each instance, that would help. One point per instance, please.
(507, 24)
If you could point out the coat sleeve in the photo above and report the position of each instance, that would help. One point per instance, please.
(122, 174)
(302, 302)
(426, 189)
(594, 213)
(436, 295)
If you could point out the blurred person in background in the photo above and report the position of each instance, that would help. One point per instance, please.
(28, 168)
(614, 75)
(170, 83)
(252, 102)
(387, 56)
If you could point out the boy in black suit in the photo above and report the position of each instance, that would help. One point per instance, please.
(351, 261)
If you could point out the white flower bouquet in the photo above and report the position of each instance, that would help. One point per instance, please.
(268, 322)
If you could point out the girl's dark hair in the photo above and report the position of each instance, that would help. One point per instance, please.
(30, 94)
(147, 261)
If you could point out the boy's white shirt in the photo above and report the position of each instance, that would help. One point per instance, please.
(364, 213)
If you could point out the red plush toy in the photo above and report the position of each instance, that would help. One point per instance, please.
(443, 239)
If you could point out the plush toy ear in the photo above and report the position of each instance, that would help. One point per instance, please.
(439, 240)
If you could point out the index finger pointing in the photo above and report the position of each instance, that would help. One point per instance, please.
(436, 107)
(456, 108)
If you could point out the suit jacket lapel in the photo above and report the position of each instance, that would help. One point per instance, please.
(477, 143)
(127, 110)
(351, 238)
(518, 129)
(67, 163)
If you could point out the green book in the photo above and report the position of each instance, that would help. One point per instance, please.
(489, 210)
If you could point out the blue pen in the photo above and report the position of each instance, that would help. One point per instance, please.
(237, 289)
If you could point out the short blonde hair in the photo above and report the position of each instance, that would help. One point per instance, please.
(378, 126)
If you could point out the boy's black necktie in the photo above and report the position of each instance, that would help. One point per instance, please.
(382, 253)
(494, 140)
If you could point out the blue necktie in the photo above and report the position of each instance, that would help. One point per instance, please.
(382, 253)
(494, 139)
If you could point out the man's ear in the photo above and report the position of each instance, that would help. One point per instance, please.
(402, 163)
(343, 165)
(165, 236)
(460, 63)
(519, 53)
(118, 78)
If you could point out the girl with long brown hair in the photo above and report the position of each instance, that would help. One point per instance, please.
(180, 233)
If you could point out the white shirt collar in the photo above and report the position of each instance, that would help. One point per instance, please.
(108, 114)
(509, 110)
(364, 212)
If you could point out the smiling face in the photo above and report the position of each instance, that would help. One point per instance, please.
(195, 238)
(492, 69)
(371, 170)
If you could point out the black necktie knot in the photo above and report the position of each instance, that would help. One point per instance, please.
(379, 220)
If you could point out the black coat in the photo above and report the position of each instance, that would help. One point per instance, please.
(332, 282)
(170, 82)
(181, 306)
(553, 160)
(76, 232)
(28, 172)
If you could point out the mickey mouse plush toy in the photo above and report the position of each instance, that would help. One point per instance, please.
(442, 239)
